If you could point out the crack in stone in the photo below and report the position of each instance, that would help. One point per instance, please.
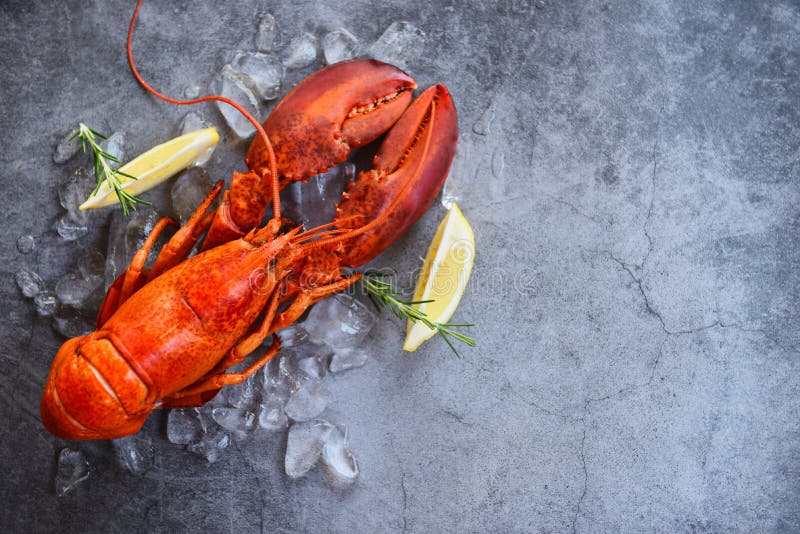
(405, 499)
(585, 472)
(457, 417)
(652, 197)
(649, 307)
(542, 409)
(574, 209)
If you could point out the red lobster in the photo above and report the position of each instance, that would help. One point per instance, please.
(166, 335)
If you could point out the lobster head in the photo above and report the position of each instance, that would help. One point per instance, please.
(92, 392)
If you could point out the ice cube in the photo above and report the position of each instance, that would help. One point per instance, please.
(233, 86)
(309, 400)
(263, 73)
(30, 283)
(75, 290)
(135, 453)
(265, 38)
(401, 45)
(245, 395)
(211, 444)
(184, 426)
(484, 123)
(300, 52)
(192, 92)
(310, 349)
(72, 470)
(125, 236)
(69, 230)
(345, 359)
(498, 164)
(459, 180)
(340, 463)
(289, 372)
(92, 265)
(339, 45)
(46, 303)
(313, 366)
(26, 244)
(115, 147)
(189, 190)
(276, 384)
(292, 336)
(71, 323)
(73, 191)
(313, 203)
(339, 321)
(234, 419)
(191, 122)
(272, 417)
(66, 149)
(304, 446)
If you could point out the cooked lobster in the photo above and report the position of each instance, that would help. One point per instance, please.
(166, 335)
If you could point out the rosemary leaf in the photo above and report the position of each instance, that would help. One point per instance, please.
(383, 295)
(103, 171)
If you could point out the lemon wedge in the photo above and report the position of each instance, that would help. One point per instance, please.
(444, 275)
(156, 165)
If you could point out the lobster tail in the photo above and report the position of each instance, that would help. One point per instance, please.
(92, 393)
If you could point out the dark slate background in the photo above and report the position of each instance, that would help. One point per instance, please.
(635, 291)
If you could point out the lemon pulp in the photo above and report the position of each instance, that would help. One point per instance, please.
(156, 165)
(444, 275)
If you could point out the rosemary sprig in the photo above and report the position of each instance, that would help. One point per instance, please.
(103, 171)
(383, 295)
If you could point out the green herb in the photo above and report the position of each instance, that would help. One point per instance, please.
(103, 171)
(383, 295)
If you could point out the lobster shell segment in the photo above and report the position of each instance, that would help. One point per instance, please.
(341, 107)
(92, 393)
(408, 172)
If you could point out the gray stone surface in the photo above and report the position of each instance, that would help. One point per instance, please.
(635, 289)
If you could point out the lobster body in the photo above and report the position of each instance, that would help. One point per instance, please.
(168, 336)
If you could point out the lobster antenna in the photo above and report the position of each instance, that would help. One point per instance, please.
(273, 171)
(377, 220)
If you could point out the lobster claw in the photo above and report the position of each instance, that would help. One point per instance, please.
(339, 108)
(408, 171)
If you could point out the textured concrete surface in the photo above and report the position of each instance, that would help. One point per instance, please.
(635, 288)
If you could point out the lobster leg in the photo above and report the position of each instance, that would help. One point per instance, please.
(133, 278)
(219, 381)
(180, 244)
(308, 297)
(176, 249)
(238, 353)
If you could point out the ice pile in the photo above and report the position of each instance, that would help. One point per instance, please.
(252, 77)
(72, 470)
(291, 389)
(76, 298)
